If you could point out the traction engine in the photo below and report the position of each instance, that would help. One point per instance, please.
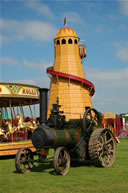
(73, 141)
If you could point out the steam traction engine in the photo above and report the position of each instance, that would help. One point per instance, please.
(72, 141)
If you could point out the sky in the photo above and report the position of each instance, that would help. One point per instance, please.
(27, 32)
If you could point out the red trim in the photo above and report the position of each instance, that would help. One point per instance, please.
(85, 82)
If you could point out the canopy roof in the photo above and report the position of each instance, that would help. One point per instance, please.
(16, 94)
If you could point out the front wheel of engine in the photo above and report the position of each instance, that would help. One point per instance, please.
(61, 161)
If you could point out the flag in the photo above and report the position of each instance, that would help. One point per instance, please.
(65, 21)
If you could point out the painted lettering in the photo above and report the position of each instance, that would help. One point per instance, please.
(29, 91)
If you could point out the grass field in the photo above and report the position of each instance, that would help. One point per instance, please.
(82, 179)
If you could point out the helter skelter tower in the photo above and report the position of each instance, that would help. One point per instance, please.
(68, 81)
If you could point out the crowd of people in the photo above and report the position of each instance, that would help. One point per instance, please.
(19, 126)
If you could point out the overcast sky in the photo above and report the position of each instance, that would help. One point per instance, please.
(28, 29)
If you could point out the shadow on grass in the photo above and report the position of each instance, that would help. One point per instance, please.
(41, 167)
(85, 163)
(45, 167)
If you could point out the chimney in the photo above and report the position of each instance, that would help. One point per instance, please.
(43, 105)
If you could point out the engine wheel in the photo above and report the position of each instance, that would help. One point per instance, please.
(24, 160)
(61, 161)
(102, 148)
(91, 119)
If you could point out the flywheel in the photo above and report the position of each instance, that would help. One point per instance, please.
(102, 147)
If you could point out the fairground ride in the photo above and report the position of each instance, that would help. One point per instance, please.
(17, 116)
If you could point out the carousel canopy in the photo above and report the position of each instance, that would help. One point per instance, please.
(15, 94)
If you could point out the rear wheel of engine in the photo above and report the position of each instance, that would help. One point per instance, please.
(102, 148)
(61, 161)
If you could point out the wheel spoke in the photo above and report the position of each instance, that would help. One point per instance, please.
(21, 161)
(105, 137)
(101, 154)
(101, 140)
(95, 119)
(25, 154)
(100, 148)
(65, 155)
(58, 163)
(60, 155)
(90, 115)
(90, 125)
(109, 140)
(111, 151)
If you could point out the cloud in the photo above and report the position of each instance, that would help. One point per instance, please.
(3, 39)
(113, 17)
(30, 82)
(39, 7)
(117, 45)
(38, 65)
(21, 30)
(111, 89)
(110, 102)
(99, 29)
(9, 61)
(122, 54)
(43, 81)
(124, 7)
(108, 79)
(30, 64)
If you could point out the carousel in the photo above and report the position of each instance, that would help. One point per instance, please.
(17, 116)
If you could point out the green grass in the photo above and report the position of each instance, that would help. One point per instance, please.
(82, 179)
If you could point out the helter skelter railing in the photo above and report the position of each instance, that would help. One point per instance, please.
(82, 81)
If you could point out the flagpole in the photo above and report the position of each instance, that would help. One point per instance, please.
(65, 21)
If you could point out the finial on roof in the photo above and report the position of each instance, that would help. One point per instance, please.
(65, 21)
